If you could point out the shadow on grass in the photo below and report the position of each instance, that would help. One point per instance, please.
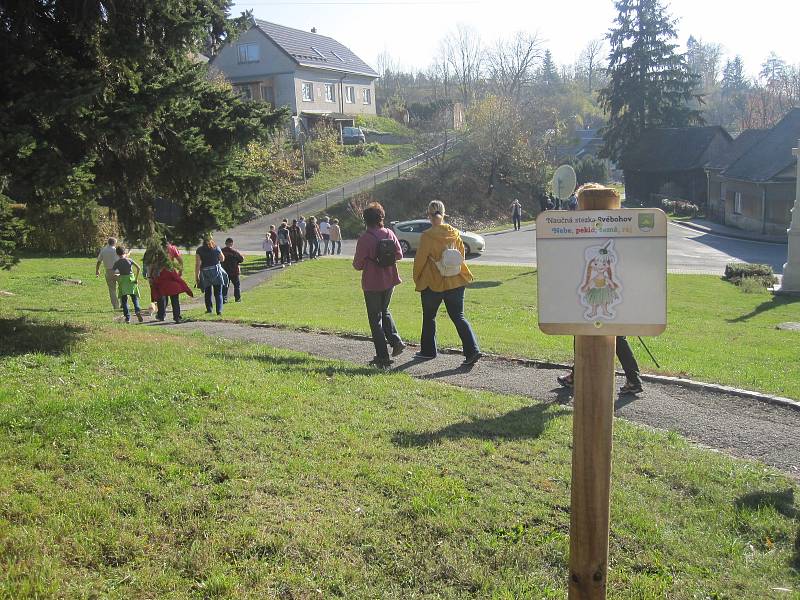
(23, 336)
(782, 502)
(525, 423)
(480, 285)
(298, 363)
(67, 311)
(774, 302)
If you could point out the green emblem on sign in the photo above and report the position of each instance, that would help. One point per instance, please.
(647, 221)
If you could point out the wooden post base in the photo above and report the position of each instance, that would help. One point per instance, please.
(591, 466)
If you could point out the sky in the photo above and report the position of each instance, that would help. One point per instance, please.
(410, 30)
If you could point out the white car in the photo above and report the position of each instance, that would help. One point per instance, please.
(409, 232)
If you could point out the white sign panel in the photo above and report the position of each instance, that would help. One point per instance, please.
(602, 272)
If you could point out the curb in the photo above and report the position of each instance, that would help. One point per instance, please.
(541, 364)
(735, 236)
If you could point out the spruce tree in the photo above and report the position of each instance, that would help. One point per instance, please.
(649, 84)
(105, 102)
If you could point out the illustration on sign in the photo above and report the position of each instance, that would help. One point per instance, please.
(600, 290)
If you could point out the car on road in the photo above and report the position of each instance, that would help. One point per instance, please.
(353, 135)
(409, 232)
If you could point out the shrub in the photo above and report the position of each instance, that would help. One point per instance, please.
(751, 285)
(680, 208)
(56, 231)
(738, 273)
(366, 149)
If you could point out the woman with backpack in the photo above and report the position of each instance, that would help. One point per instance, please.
(377, 253)
(441, 275)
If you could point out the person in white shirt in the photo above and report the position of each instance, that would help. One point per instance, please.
(325, 231)
(107, 257)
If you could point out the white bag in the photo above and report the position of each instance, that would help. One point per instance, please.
(450, 263)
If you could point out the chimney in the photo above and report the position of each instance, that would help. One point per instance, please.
(313, 30)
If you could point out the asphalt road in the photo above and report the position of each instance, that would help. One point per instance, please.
(688, 250)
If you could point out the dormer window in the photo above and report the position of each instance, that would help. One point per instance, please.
(248, 53)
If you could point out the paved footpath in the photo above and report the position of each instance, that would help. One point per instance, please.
(740, 426)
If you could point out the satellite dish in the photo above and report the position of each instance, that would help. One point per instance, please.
(564, 182)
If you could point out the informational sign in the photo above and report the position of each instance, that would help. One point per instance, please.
(602, 272)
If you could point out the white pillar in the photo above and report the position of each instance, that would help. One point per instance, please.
(791, 270)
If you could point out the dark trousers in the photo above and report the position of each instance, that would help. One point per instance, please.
(336, 247)
(454, 303)
(380, 321)
(285, 256)
(627, 360)
(297, 252)
(161, 303)
(237, 288)
(124, 301)
(313, 248)
(216, 291)
(270, 260)
(517, 219)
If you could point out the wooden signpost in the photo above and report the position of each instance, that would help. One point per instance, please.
(602, 273)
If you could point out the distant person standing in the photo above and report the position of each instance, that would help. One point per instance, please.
(301, 223)
(269, 248)
(232, 259)
(312, 237)
(325, 232)
(107, 257)
(274, 235)
(284, 242)
(573, 202)
(296, 239)
(516, 214)
(209, 275)
(377, 253)
(336, 237)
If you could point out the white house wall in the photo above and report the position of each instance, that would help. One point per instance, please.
(272, 60)
(318, 78)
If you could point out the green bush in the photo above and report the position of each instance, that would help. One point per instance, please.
(752, 285)
(366, 150)
(58, 232)
(680, 208)
(738, 273)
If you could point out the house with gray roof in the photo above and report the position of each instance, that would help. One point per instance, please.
(317, 77)
(757, 185)
(671, 162)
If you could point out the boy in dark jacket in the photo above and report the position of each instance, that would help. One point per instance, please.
(231, 262)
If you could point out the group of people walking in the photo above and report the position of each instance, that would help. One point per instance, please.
(440, 276)
(216, 271)
(291, 243)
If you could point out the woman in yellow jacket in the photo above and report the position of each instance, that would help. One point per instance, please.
(436, 287)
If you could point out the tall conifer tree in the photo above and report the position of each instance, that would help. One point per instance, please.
(649, 84)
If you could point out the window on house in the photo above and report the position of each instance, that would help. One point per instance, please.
(350, 94)
(737, 203)
(330, 92)
(244, 91)
(318, 53)
(337, 56)
(248, 53)
(267, 94)
(308, 92)
(367, 96)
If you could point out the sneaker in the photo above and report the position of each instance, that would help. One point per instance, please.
(208, 311)
(178, 320)
(238, 300)
(631, 387)
(566, 380)
(128, 320)
(140, 317)
(471, 360)
(421, 356)
(398, 349)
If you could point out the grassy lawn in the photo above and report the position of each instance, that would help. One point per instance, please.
(352, 167)
(383, 125)
(716, 333)
(136, 463)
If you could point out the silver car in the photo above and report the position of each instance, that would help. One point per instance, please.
(409, 232)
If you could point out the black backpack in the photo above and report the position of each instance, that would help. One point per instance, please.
(385, 255)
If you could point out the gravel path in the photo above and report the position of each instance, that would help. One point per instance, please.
(736, 425)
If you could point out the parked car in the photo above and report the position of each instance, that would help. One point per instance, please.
(409, 232)
(353, 135)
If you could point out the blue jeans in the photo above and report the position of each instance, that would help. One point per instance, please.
(313, 248)
(380, 322)
(217, 292)
(336, 247)
(517, 219)
(161, 303)
(125, 311)
(454, 303)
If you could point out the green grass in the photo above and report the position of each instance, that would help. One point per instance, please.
(504, 226)
(383, 125)
(715, 332)
(137, 463)
(353, 167)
